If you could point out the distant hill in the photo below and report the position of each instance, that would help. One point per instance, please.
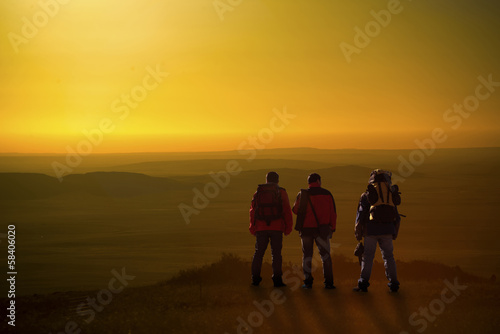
(204, 166)
(22, 186)
(28, 186)
(165, 164)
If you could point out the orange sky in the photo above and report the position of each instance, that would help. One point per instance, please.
(90, 66)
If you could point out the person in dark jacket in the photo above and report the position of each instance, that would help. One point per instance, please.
(270, 231)
(315, 209)
(377, 232)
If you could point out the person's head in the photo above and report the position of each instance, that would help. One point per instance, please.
(272, 177)
(380, 175)
(314, 177)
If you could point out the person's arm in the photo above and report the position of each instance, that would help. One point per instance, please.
(362, 216)
(252, 227)
(397, 223)
(371, 194)
(287, 213)
(333, 215)
(396, 197)
(296, 205)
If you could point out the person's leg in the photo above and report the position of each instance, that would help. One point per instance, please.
(307, 250)
(386, 247)
(367, 262)
(324, 252)
(276, 246)
(262, 239)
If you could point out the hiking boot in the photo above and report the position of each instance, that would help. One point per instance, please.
(256, 281)
(278, 283)
(307, 286)
(358, 289)
(394, 287)
(330, 286)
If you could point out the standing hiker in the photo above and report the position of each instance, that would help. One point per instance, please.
(270, 217)
(316, 221)
(378, 220)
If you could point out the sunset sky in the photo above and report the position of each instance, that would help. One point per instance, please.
(230, 67)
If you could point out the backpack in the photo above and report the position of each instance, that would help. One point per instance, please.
(383, 197)
(268, 204)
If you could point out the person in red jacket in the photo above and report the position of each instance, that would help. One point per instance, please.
(270, 217)
(316, 221)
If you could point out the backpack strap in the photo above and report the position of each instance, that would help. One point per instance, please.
(314, 211)
(381, 193)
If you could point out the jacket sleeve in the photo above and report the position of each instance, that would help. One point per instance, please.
(397, 223)
(252, 228)
(333, 215)
(296, 205)
(362, 216)
(396, 197)
(371, 194)
(287, 213)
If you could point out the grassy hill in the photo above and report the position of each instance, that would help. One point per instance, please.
(218, 298)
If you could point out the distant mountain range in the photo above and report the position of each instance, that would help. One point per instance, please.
(197, 163)
(25, 186)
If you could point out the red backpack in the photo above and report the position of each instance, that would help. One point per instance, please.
(268, 204)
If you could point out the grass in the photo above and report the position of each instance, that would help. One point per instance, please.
(216, 298)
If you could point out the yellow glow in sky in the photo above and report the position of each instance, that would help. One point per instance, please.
(204, 75)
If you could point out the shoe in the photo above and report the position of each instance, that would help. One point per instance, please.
(358, 289)
(394, 287)
(256, 282)
(307, 286)
(330, 286)
(278, 282)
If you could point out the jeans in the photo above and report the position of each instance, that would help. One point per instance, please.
(263, 238)
(324, 251)
(386, 247)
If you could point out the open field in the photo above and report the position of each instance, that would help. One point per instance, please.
(71, 234)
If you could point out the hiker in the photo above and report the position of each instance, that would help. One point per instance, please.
(270, 217)
(378, 221)
(316, 221)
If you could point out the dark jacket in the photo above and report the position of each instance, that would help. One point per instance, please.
(324, 205)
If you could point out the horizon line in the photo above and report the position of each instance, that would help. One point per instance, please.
(247, 150)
